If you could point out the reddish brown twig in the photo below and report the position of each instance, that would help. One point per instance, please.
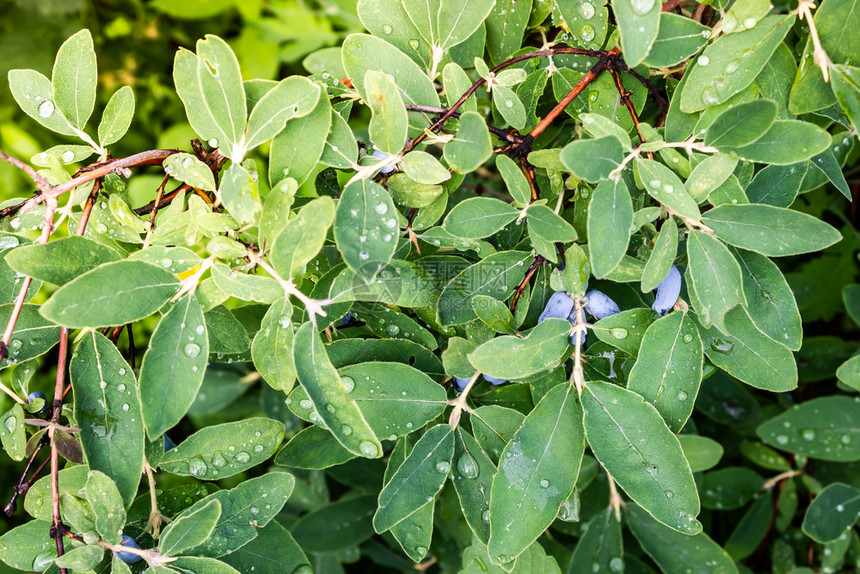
(532, 269)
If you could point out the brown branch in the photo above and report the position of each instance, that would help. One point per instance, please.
(605, 59)
(539, 54)
(165, 201)
(92, 172)
(672, 4)
(539, 260)
(40, 181)
(24, 483)
(58, 529)
(500, 133)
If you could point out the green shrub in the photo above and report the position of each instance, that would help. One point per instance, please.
(498, 287)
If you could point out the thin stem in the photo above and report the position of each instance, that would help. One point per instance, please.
(625, 99)
(580, 326)
(158, 194)
(154, 522)
(771, 482)
(58, 528)
(500, 133)
(614, 498)
(312, 306)
(819, 56)
(538, 261)
(459, 403)
(23, 484)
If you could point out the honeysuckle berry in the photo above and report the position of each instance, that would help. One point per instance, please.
(581, 338)
(494, 381)
(128, 557)
(345, 320)
(460, 383)
(667, 291)
(38, 395)
(382, 155)
(559, 306)
(168, 444)
(600, 305)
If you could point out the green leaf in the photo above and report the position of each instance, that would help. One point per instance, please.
(286, 159)
(404, 494)
(389, 122)
(302, 238)
(479, 217)
(548, 225)
(107, 411)
(730, 488)
(256, 556)
(601, 548)
(245, 511)
(715, 277)
(776, 184)
(327, 392)
(506, 25)
(336, 526)
(312, 448)
(543, 348)
(749, 355)
(678, 38)
(610, 217)
(190, 91)
(494, 313)
(668, 369)
(111, 294)
(223, 93)
(238, 191)
(107, 506)
(662, 184)
(848, 373)
(643, 457)
(293, 97)
(394, 398)
(708, 175)
(81, 559)
(586, 21)
(638, 26)
(388, 19)
(471, 146)
(365, 228)
(626, 329)
(226, 333)
(245, 286)
(845, 82)
(833, 511)
(662, 256)
(494, 427)
(786, 142)
(771, 231)
(472, 475)
(173, 366)
(593, 159)
(674, 551)
(422, 167)
(701, 452)
(805, 429)
(446, 23)
(275, 334)
(362, 52)
(189, 529)
(742, 124)
(509, 106)
(537, 473)
(496, 275)
(516, 182)
(116, 119)
(731, 63)
(34, 93)
(341, 149)
(23, 545)
(770, 301)
(61, 260)
(188, 169)
(33, 334)
(74, 78)
(219, 451)
(406, 191)
(12, 434)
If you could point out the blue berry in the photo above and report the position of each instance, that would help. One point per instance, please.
(600, 306)
(460, 384)
(128, 557)
(581, 339)
(168, 444)
(668, 291)
(382, 155)
(345, 320)
(559, 306)
(494, 381)
(38, 395)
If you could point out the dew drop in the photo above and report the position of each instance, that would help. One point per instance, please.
(619, 333)
(306, 404)
(704, 60)
(688, 338)
(346, 430)
(586, 10)
(392, 330)
(242, 457)
(381, 208)
(544, 483)
(68, 156)
(192, 350)
(641, 7)
(368, 449)
(782, 439)
(348, 383)
(443, 467)
(467, 466)
(46, 108)
(808, 434)
(586, 32)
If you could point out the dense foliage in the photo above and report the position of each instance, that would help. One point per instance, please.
(490, 286)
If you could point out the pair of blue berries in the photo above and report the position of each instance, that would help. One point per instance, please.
(599, 306)
(38, 395)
